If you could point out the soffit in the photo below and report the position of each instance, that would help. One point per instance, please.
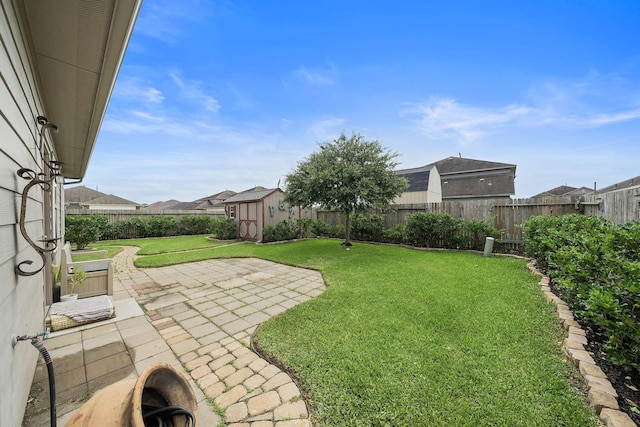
(78, 47)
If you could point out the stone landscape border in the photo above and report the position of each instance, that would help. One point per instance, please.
(602, 397)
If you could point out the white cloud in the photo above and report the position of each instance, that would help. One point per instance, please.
(192, 90)
(132, 88)
(316, 76)
(594, 101)
(445, 118)
(326, 129)
(165, 20)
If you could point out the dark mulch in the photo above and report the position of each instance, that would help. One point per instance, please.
(625, 382)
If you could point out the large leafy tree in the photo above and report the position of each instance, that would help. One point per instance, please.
(349, 175)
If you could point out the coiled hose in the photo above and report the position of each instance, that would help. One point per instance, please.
(163, 416)
(52, 380)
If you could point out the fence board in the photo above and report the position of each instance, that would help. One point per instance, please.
(115, 216)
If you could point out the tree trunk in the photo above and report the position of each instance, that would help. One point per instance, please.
(347, 229)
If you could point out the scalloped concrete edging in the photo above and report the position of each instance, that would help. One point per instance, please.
(602, 397)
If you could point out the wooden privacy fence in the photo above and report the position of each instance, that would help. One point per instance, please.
(115, 216)
(507, 215)
(619, 207)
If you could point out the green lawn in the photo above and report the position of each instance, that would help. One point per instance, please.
(162, 245)
(404, 337)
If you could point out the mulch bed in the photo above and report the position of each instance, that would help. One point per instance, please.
(625, 382)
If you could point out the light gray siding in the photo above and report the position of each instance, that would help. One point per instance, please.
(22, 298)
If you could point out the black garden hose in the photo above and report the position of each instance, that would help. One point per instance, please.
(52, 380)
(163, 416)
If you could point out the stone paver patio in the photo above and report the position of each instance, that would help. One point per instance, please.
(206, 312)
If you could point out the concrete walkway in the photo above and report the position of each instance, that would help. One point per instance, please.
(206, 312)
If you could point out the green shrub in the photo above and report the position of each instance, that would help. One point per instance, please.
(160, 226)
(224, 228)
(321, 228)
(284, 230)
(476, 232)
(368, 228)
(395, 235)
(194, 224)
(305, 228)
(595, 267)
(83, 229)
(434, 230)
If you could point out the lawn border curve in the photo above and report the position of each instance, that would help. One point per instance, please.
(602, 397)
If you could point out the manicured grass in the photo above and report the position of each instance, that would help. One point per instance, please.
(111, 252)
(407, 337)
(163, 245)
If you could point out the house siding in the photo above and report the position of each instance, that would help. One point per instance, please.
(22, 298)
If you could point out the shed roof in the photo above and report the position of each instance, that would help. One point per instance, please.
(251, 196)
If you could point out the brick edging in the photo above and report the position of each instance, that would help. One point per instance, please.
(602, 397)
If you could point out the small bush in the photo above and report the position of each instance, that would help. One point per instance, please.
(194, 224)
(160, 226)
(284, 230)
(368, 228)
(476, 232)
(434, 230)
(595, 267)
(321, 228)
(84, 229)
(224, 228)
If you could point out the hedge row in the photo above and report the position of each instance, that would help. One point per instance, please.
(84, 229)
(424, 229)
(595, 266)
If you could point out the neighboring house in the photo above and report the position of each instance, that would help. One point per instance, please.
(476, 179)
(458, 178)
(85, 198)
(160, 206)
(565, 191)
(213, 203)
(58, 61)
(424, 186)
(619, 203)
(256, 208)
(624, 185)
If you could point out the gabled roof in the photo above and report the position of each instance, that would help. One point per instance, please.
(418, 178)
(565, 190)
(251, 195)
(81, 194)
(632, 182)
(461, 164)
(87, 196)
(160, 206)
(204, 203)
(109, 199)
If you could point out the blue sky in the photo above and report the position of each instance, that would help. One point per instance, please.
(216, 95)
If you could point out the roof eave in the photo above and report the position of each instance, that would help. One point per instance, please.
(74, 81)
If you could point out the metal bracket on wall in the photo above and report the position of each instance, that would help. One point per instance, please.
(50, 245)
